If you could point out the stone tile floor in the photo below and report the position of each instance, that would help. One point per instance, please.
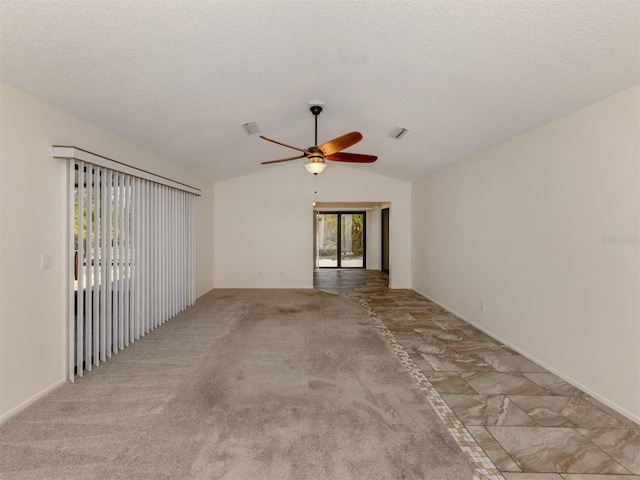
(532, 424)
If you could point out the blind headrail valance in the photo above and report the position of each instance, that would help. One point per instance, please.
(75, 153)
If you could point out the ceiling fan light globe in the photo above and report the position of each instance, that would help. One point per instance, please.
(315, 167)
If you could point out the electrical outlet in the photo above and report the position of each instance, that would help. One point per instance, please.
(46, 261)
(482, 306)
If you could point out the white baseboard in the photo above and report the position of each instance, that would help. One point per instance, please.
(7, 415)
(551, 369)
(203, 294)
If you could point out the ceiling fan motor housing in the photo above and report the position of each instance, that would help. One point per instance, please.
(316, 154)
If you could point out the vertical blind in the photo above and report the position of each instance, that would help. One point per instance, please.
(133, 254)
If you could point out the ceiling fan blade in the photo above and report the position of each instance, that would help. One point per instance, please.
(285, 145)
(351, 157)
(283, 160)
(340, 143)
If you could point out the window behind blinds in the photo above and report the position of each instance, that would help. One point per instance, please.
(133, 254)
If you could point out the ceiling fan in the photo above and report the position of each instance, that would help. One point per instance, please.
(331, 150)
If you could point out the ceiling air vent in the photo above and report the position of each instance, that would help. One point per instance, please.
(398, 132)
(251, 128)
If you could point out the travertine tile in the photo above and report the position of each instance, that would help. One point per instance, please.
(492, 448)
(553, 384)
(421, 316)
(440, 334)
(623, 444)
(487, 410)
(511, 363)
(424, 345)
(419, 303)
(502, 383)
(555, 411)
(422, 364)
(472, 346)
(407, 336)
(473, 334)
(402, 321)
(510, 350)
(449, 382)
(448, 322)
(553, 449)
(618, 416)
(447, 318)
(457, 363)
(426, 327)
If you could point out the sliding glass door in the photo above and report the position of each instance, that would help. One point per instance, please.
(327, 244)
(352, 240)
(340, 239)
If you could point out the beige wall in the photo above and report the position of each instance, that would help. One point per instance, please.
(522, 227)
(33, 221)
(263, 233)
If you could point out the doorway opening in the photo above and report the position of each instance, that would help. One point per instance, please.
(340, 239)
(384, 222)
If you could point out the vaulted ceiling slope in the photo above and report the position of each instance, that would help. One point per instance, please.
(179, 77)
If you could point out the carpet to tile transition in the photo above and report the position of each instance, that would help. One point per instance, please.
(247, 384)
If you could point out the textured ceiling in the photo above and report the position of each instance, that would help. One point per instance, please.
(179, 77)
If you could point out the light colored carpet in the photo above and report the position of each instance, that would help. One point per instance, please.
(247, 384)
